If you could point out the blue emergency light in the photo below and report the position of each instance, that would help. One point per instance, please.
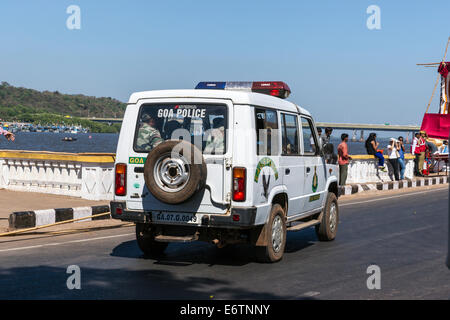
(274, 88)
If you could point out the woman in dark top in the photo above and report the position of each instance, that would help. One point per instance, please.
(371, 147)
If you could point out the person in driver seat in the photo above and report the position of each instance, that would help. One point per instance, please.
(148, 136)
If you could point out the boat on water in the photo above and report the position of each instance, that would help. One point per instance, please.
(69, 139)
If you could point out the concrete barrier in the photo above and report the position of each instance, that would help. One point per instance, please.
(91, 175)
(364, 169)
(86, 175)
(30, 219)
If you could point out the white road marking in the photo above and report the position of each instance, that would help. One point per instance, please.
(392, 197)
(129, 234)
(67, 242)
(311, 294)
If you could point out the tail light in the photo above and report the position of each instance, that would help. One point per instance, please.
(121, 179)
(239, 184)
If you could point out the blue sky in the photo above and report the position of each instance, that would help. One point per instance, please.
(336, 67)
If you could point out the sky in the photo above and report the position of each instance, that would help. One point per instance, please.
(336, 67)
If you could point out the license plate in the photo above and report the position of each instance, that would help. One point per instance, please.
(174, 217)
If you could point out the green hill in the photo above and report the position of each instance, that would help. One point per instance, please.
(23, 100)
(28, 105)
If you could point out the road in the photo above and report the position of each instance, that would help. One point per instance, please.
(405, 235)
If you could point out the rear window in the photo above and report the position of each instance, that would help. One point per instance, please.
(204, 125)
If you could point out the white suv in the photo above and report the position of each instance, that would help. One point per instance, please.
(227, 162)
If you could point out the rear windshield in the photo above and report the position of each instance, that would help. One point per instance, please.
(204, 125)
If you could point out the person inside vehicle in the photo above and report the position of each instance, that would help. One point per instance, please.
(215, 141)
(170, 127)
(328, 147)
(312, 142)
(148, 136)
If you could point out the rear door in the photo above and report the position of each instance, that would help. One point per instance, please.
(314, 174)
(206, 124)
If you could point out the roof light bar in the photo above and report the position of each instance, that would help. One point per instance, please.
(274, 88)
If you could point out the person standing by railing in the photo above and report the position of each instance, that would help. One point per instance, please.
(416, 154)
(393, 156)
(420, 153)
(401, 159)
(343, 159)
(371, 147)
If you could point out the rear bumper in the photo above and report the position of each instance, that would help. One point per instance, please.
(247, 217)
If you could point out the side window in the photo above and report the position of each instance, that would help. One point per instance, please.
(309, 138)
(289, 131)
(266, 131)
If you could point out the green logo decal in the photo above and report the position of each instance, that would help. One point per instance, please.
(315, 181)
(314, 197)
(136, 160)
(265, 162)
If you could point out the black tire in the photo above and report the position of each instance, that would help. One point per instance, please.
(268, 253)
(146, 241)
(326, 231)
(197, 171)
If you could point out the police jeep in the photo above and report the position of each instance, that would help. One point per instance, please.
(233, 162)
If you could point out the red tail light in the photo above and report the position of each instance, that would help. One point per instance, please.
(121, 179)
(239, 184)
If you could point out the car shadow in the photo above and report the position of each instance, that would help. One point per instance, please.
(186, 254)
(50, 282)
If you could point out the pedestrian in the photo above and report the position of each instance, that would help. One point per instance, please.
(416, 155)
(371, 147)
(393, 157)
(420, 153)
(343, 159)
(401, 159)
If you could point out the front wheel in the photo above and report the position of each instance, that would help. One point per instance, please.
(146, 241)
(327, 229)
(275, 235)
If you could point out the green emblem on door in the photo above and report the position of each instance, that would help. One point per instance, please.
(315, 180)
(265, 162)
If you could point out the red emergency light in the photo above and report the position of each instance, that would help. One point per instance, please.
(274, 88)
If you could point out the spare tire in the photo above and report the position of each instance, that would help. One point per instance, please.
(174, 171)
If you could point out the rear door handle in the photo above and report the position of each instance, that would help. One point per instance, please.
(139, 169)
(308, 169)
(287, 171)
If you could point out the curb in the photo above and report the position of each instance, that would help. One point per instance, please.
(391, 185)
(31, 219)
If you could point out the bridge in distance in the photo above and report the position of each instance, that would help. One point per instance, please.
(337, 126)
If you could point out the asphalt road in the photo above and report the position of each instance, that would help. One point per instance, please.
(405, 235)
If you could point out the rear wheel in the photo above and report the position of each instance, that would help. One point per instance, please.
(327, 229)
(146, 241)
(275, 236)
